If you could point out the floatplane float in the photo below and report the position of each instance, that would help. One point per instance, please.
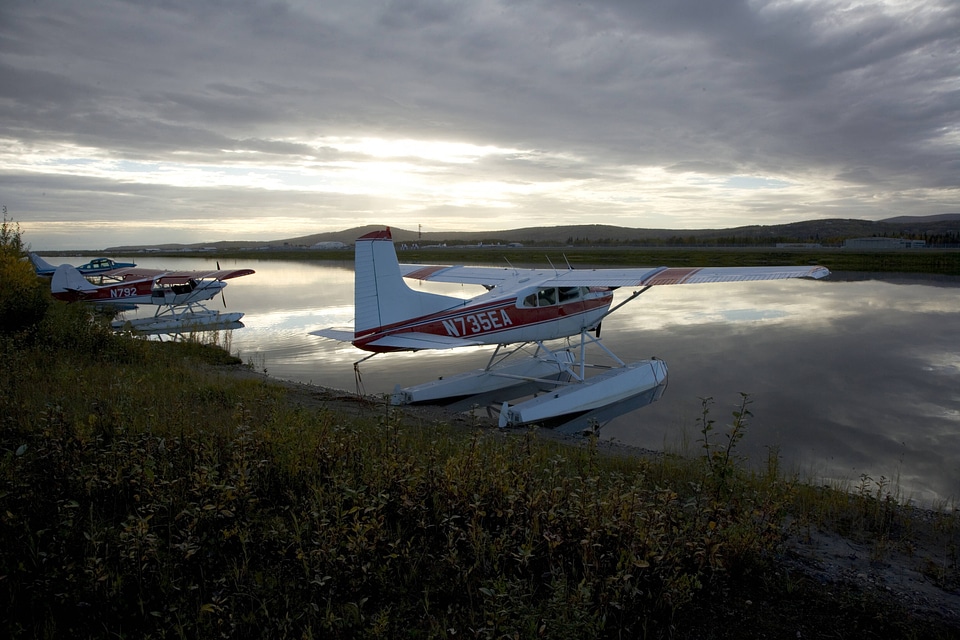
(179, 297)
(521, 311)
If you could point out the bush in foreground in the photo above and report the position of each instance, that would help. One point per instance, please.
(143, 494)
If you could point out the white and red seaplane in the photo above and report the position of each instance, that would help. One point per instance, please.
(520, 312)
(178, 295)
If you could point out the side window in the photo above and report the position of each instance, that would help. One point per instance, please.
(547, 297)
(569, 294)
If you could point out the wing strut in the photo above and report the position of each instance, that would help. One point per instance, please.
(357, 378)
(612, 309)
(630, 299)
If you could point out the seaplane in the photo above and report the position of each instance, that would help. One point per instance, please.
(179, 296)
(522, 313)
(97, 266)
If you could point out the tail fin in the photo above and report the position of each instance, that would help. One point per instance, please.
(66, 278)
(381, 297)
(41, 266)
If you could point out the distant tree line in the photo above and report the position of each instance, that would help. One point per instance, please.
(947, 239)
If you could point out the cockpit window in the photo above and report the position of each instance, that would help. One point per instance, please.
(549, 296)
(546, 297)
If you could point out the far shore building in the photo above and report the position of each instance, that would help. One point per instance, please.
(883, 243)
(328, 245)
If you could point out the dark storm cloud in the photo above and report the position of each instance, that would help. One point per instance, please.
(865, 94)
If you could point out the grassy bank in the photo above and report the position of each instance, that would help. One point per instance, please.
(145, 492)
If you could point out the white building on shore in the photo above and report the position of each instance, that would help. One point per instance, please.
(883, 243)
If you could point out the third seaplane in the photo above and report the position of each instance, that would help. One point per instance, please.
(179, 296)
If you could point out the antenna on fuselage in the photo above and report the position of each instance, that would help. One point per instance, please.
(550, 262)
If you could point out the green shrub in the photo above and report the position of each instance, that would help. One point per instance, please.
(23, 296)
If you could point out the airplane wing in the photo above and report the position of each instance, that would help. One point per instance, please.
(131, 273)
(174, 277)
(641, 277)
(486, 276)
(180, 277)
(627, 277)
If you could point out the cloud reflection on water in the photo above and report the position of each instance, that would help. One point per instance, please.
(846, 377)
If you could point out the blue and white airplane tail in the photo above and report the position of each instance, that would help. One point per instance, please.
(41, 266)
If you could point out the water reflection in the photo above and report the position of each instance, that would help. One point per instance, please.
(846, 376)
(596, 420)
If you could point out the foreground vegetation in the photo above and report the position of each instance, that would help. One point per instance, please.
(145, 492)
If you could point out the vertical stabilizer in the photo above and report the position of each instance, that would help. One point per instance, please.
(67, 278)
(381, 297)
(41, 266)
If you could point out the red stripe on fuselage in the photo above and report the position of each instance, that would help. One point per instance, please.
(122, 291)
(485, 321)
(417, 324)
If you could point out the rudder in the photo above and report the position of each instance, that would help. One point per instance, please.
(381, 297)
(67, 278)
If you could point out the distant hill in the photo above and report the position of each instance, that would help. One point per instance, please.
(826, 231)
(942, 217)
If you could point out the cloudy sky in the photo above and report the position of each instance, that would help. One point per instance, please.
(201, 120)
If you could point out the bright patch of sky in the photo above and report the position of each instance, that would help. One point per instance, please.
(745, 182)
(280, 119)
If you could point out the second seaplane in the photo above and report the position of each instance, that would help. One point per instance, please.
(179, 296)
(521, 311)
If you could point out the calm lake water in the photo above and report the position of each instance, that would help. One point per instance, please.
(850, 376)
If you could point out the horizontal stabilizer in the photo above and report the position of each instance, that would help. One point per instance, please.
(416, 341)
(343, 335)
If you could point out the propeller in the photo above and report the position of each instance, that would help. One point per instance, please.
(223, 298)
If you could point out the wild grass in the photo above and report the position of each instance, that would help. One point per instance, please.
(145, 494)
